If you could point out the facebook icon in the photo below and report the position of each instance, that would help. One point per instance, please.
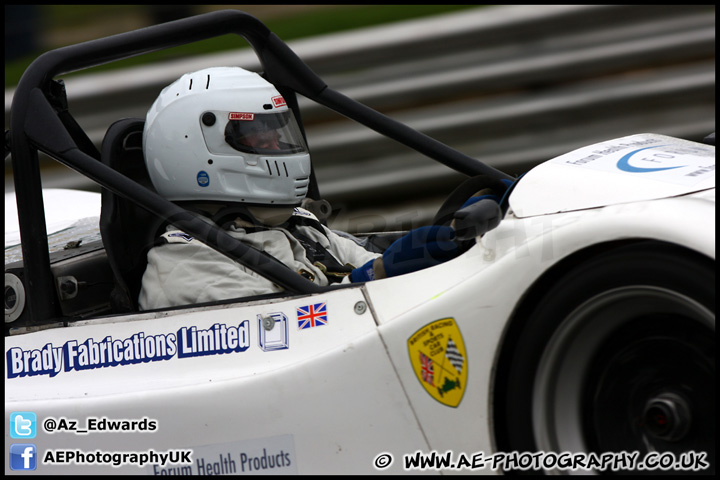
(23, 456)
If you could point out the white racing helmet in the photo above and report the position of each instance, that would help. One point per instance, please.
(225, 134)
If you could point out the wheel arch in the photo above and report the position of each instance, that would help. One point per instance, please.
(531, 299)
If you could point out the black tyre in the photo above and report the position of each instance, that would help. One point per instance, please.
(617, 355)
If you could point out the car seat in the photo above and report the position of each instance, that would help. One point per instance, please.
(128, 231)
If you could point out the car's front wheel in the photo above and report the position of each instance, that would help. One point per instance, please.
(618, 355)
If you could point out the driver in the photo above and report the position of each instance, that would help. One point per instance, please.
(223, 143)
(261, 137)
(269, 139)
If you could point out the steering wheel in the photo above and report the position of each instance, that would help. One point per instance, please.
(463, 192)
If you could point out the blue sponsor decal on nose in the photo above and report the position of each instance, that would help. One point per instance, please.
(624, 163)
(203, 179)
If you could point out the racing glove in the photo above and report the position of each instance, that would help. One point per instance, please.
(420, 248)
(479, 214)
(478, 197)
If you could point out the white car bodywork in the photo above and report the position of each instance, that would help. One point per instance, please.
(265, 396)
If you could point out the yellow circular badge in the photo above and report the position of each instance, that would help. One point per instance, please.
(438, 358)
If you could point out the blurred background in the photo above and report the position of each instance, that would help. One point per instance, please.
(512, 86)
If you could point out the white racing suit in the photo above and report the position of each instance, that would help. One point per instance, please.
(182, 270)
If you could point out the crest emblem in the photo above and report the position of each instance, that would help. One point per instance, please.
(438, 358)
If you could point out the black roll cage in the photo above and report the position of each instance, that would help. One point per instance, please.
(40, 121)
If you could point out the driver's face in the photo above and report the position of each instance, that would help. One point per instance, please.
(269, 139)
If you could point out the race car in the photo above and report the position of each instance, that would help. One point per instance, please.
(575, 334)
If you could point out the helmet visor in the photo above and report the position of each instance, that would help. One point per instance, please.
(264, 133)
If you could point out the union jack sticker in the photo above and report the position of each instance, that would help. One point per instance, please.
(427, 371)
(438, 358)
(310, 316)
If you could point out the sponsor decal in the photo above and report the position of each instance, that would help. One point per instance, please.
(203, 179)
(273, 332)
(241, 116)
(683, 163)
(278, 101)
(261, 456)
(184, 237)
(73, 355)
(624, 163)
(216, 340)
(311, 316)
(302, 213)
(438, 358)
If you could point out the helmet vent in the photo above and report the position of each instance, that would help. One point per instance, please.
(301, 186)
(276, 171)
(207, 84)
